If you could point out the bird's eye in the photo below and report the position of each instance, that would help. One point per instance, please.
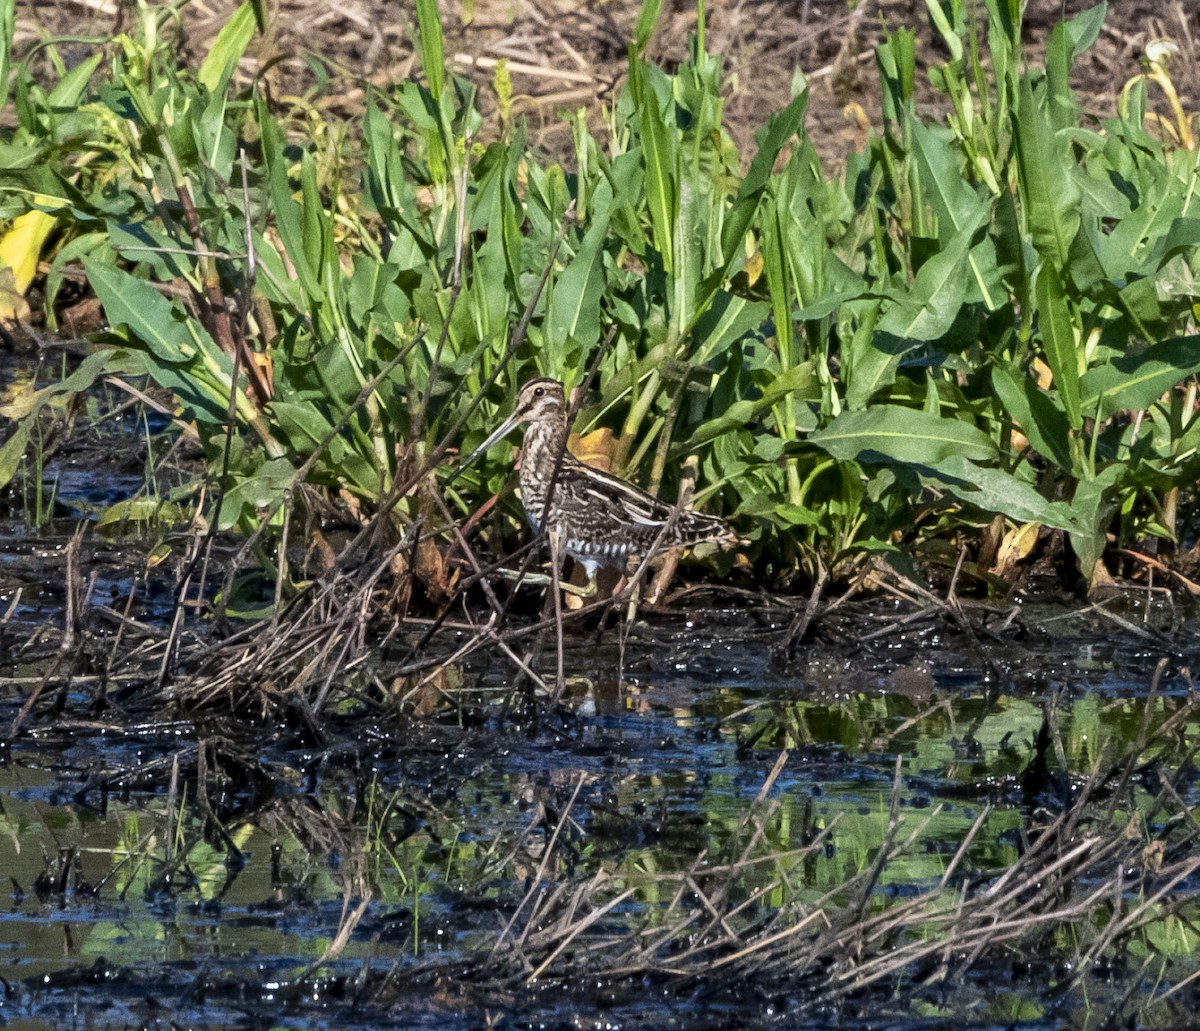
(539, 392)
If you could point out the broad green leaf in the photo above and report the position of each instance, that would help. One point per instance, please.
(70, 89)
(1093, 510)
(954, 202)
(1133, 382)
(927, 310)
(251, 494)
(167, 332)
(727, 319)
(869, 359)
(303, 424)
(993, 490)
(1182, 238)
(1129, 247)
(13, 450)
(769, 506)
(1086, 271)
(687, 248)
(1036, 415)
(1058, 341)
(799, 381)
(148, 243)
(894, 433)
(780, 128)
(497, 258)
(200, 398)
(1049, 193)
(1070, 37)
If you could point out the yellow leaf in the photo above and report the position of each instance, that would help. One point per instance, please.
(754, 267)
(1041, 372)
(1017, 545)
(21, 247)
(595, 448)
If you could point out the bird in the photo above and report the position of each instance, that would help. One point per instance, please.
(599, 520)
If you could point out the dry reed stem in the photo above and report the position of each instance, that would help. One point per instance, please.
(957, 927)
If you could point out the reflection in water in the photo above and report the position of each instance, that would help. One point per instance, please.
(112, 869)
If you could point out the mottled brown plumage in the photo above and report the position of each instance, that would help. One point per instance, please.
(600, 520)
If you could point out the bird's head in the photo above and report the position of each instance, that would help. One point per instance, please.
(539, 401)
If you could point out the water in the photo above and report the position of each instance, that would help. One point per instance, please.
(446, 830)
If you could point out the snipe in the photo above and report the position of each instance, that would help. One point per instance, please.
(598, 519)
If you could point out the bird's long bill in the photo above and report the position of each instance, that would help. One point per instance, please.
(498, 434)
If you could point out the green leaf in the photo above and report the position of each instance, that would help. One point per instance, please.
(575, 305)
(1069, 38)
(659, 153)
(768, 506)
(13, 450)
(996, 491)
(1049, 193)
(152, 319)
(289, 217)
(1182, 238)
(227, 50)
(1058, 341)
(896, 60)
(261, 491)
(1093, 511)
(895, 433)
(302, 424)
(954, 202)
(25, 407)
(7, 22)
(432, 49)
(69, 92)
(780, 128)
(647, 19)
(799, 381)
(1036, 415)
(153, 511)
(1133, 382)
(928, 308)
(726, 319)
(869, 360)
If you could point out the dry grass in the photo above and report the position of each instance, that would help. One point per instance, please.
(565, 56)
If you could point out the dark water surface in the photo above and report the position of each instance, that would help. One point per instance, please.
(666, 760)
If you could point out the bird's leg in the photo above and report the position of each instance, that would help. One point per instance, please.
(548, 580)
(555, 569)
(588, 590)
(635, 597)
